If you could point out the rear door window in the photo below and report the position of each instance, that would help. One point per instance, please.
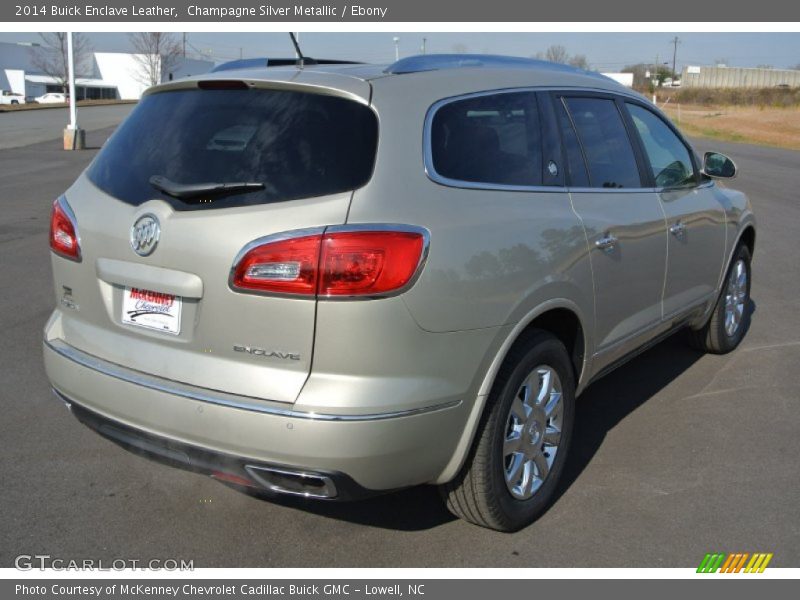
(298, 145)
(491, 139)
(578, 175)
(606, 146)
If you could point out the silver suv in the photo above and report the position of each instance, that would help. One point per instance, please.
(338, 280)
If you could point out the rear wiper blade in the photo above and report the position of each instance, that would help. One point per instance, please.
(187, 191)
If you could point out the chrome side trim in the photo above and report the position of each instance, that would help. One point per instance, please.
(208, 396)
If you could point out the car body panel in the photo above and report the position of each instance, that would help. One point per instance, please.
(191, 247)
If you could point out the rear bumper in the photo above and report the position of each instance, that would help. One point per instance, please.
(210, 432)
(233, 469)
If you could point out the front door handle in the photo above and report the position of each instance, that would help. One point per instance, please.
(607, 242)
(678, 229)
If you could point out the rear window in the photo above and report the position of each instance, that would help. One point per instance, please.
(298, 145)
(490, 139)
(606, 145)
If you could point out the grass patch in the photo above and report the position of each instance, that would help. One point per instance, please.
(745, 97)
(760, 125)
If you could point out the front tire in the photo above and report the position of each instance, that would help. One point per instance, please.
(727, 324)
(512, 473)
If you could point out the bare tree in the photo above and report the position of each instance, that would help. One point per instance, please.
(156, 53)
(556, 54)
(51, 56)
(460, 48)
(580, 61)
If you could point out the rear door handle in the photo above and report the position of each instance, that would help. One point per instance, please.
(678, 229)
(607, 242)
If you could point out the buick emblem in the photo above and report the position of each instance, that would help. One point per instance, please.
(144, 234)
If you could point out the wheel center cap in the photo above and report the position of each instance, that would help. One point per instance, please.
(534, 432)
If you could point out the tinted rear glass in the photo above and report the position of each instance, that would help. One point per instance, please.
(606, 145)
(298, 145)
(493, 139)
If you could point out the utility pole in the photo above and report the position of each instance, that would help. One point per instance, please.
(184, 45)
(675, 42)
(424, 42)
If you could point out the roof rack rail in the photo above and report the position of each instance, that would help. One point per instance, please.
(437, 62)
(255, 63)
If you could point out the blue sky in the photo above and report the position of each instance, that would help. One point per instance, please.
(605, 51)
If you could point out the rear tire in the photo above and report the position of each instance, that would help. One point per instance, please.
(728, 322)
(512, 472)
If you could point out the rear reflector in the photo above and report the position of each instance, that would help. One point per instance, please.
(63, 231)
(340, 262)
(231, 478)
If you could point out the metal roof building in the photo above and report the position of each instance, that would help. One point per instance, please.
(738, 77)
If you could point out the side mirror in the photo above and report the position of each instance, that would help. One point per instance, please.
(718, 165)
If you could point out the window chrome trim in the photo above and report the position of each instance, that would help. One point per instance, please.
(427, 149)
(427, 146)
(348, 227)
(210, 396)
(593, 190)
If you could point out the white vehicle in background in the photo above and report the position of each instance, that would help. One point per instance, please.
(51, 98)
(11, 98)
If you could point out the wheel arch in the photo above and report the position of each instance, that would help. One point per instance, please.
(747, 237)
(561, 317)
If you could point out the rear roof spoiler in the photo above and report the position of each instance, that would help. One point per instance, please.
(255, 63)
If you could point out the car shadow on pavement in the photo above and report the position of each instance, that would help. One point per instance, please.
(413, 509)
(608, 401)
(599, 409)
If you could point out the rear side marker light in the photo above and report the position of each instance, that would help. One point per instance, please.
(64, 231)
(340, 262)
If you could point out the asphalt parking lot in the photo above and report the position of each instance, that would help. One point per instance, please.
(25, 127)
(676, 454)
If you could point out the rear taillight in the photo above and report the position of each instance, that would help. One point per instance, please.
(63, 231)
(287, 266)
(339, 262)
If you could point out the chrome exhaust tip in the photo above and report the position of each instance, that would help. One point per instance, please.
(294, 483)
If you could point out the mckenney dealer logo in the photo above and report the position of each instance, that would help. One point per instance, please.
(739, 562)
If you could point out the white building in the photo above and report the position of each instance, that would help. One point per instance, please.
(110, 75)
(625, 79)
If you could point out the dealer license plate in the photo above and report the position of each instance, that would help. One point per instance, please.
(151, 310)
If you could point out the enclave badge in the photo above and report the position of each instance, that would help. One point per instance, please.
(144, 234)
